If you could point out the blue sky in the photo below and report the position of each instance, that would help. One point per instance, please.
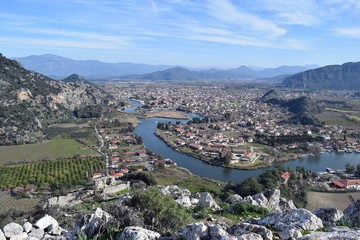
(197, 33)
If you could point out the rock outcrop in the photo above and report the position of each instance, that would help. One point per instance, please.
(329, 216)
(207, 200)
(352, 214)
(91, 224)
(269, 199)
(341, 233)
(138, 233)
(69, 200)
(241, 229)
(200, 230)
(290, 223)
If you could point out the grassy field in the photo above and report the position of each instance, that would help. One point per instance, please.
(185, 179)
(339, 201)
(338, 110)
(167, 114)
(51, 149)
(8, 202)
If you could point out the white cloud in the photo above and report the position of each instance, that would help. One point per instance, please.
(225, 11)
(348, 32)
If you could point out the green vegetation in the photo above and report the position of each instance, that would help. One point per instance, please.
(160, 211)
(185, 179)
(54, 174)
(52, 149)
(338, 110)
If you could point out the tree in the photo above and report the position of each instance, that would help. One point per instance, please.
(228, 157)
(248, 187)
(350, 168)
(357, 172)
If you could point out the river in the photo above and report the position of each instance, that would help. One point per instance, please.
(147, 128)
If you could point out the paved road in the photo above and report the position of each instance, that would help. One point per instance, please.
(101, 140)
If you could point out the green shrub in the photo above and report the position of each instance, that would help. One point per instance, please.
(160, 212)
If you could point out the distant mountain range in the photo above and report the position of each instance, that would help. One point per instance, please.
(60, 67)
(332, 77)
(242, 72)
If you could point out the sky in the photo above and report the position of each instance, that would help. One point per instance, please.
(192, 33)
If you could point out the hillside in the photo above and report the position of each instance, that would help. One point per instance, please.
(332, 77)
(30, 101)
(302, 108)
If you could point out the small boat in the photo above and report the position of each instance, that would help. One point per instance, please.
(330, 170)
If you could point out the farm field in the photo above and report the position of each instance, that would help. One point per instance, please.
(8, 202)
(54, 174)
(52, 149)
(337, 118)
(339, 201)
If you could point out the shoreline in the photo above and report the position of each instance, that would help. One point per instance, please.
(254, 167)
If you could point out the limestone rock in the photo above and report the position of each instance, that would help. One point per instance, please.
(2, 236)
(12, 229)
(289, 223)
(27, 227)
(285, 204)
(138, 233)
(184, 201)
(329, 216)
(217, 232)
(194, 231)
(334, 233)
(180, 195)
(47, 222)
(246, 228)
(37, 233)
(273, 199)
(91, 224)
(352, 213)
(250, 236)
(207, 201)
(69, 200)
(21, 236)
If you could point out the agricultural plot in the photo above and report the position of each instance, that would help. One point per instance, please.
(339, 201)
(52, 149)
(337, 118)
(57, 173)
(8, 202)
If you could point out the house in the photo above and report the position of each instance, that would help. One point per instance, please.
(347, 184)
(97, 175)
(285, 176)
(250, 157)
(195, 146)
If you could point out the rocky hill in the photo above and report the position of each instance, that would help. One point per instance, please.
(333, 77)
(164, 213)
(30, 101)
(303, 108)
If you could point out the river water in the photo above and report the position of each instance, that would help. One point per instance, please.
(147, 128)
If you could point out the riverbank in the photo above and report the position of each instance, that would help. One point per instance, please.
(258, 164)
(167, 114)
